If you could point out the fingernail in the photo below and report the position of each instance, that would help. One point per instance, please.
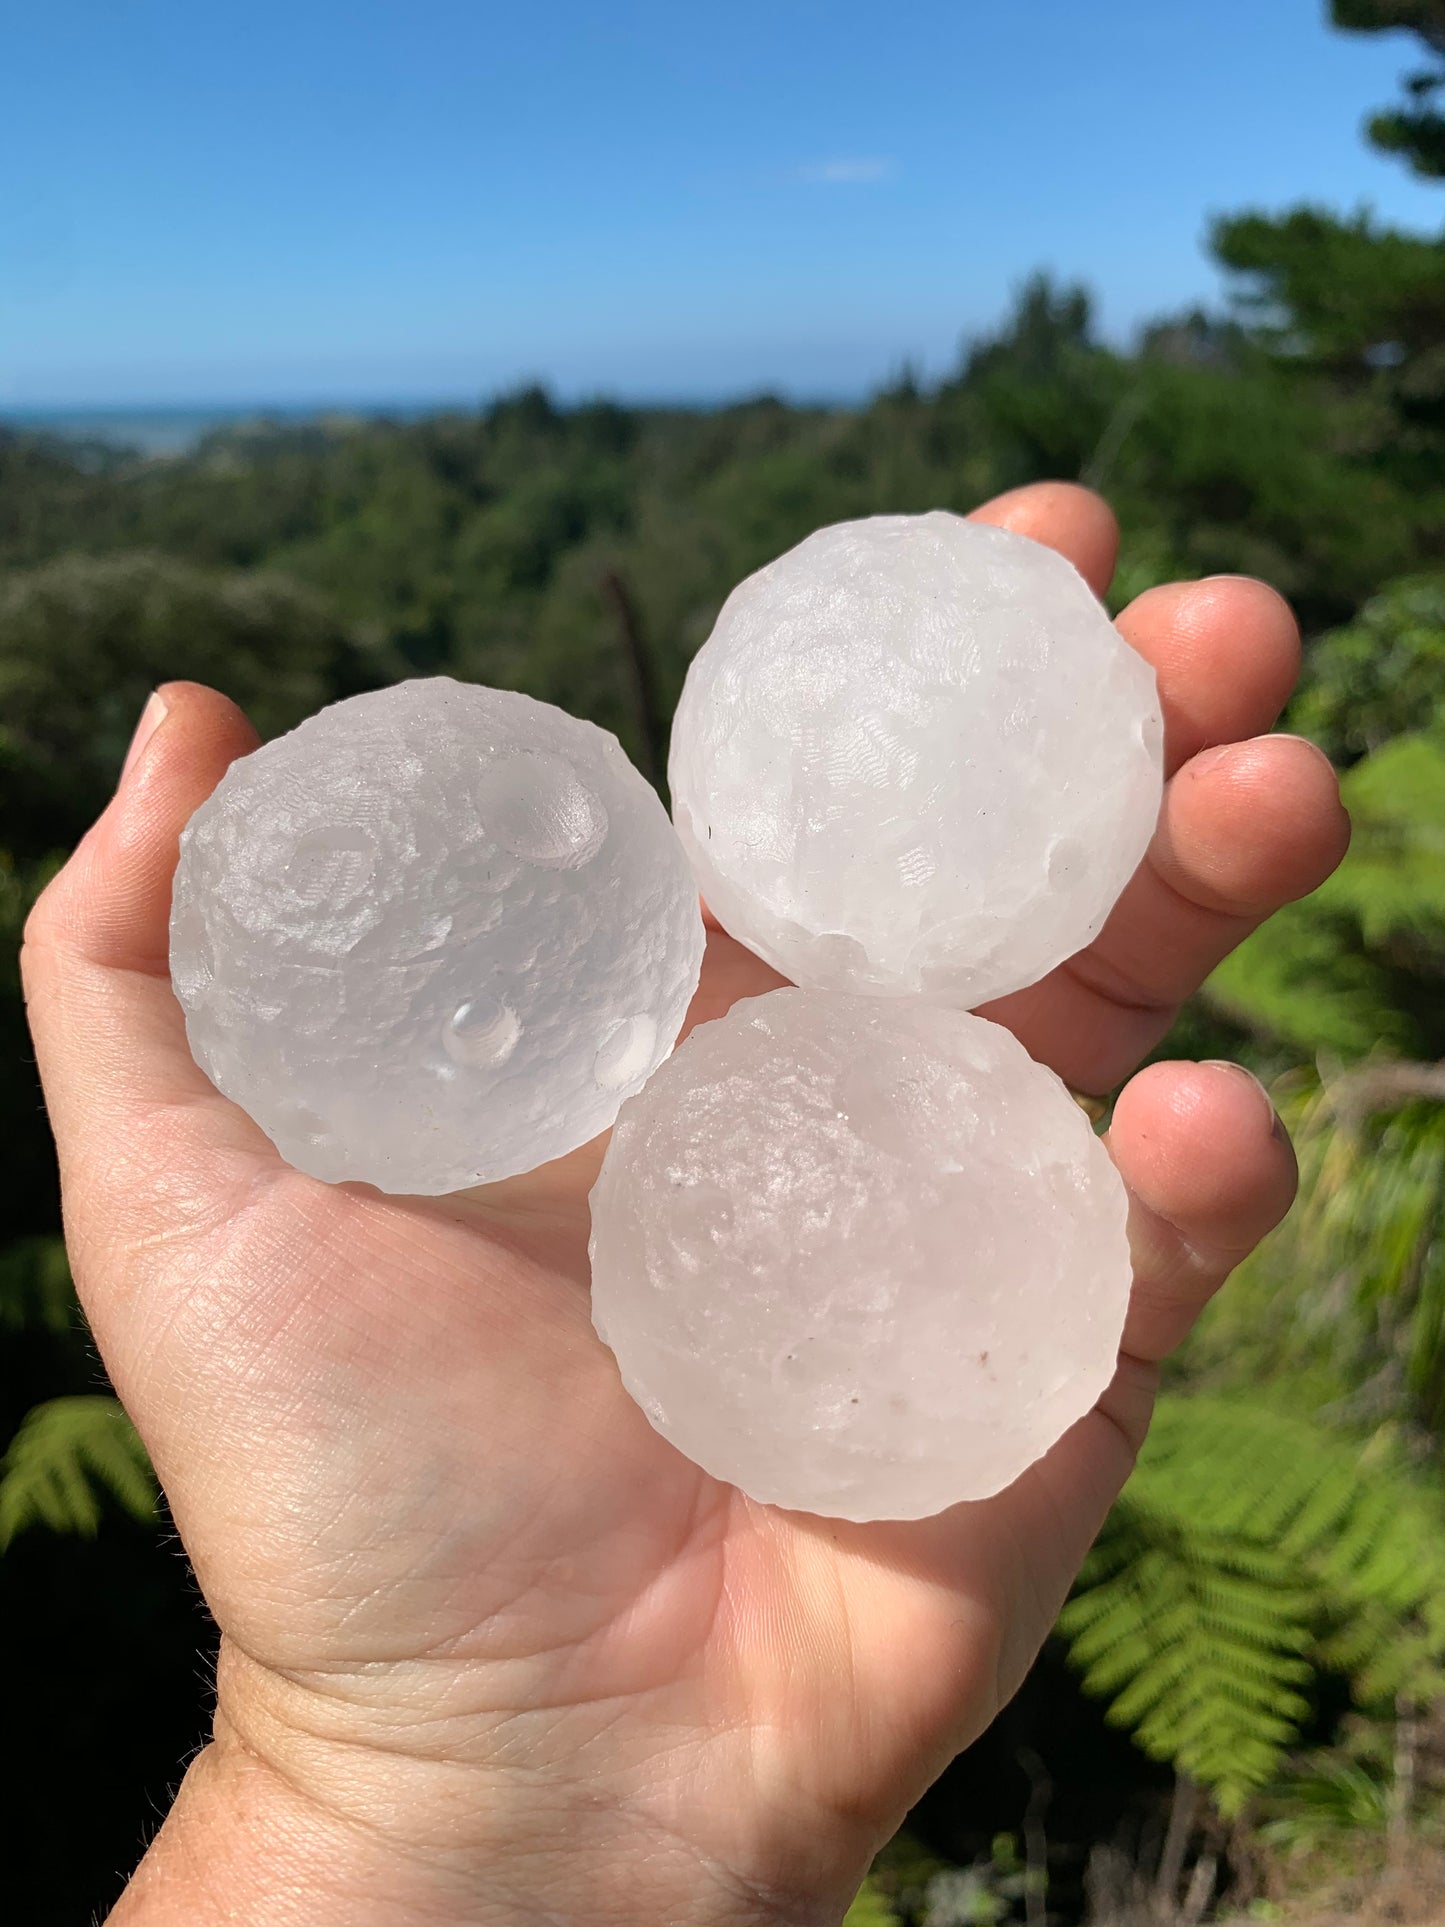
(151, 717)
(1207, 758)
(1227, 1064)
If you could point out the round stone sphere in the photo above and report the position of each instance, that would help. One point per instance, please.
(858, 1256)
(916, 758)
(433, 937)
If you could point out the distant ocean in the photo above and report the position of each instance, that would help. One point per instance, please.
(173, 431)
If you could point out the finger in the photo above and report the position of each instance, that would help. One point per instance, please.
(730, 971)
(1210, 1170)
(111, 902)
(1226, 652)
(108, 1033)
(1244, 828)
(1063, 516)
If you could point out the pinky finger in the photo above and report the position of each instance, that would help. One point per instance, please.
(1210, 1171)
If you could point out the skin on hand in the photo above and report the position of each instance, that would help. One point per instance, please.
(492, 1650)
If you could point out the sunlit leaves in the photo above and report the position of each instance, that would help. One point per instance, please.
(1250, 1551)
(69, 1457)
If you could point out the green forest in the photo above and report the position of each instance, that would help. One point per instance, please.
(1242, 1712)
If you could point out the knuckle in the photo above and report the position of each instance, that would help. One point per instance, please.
(45, 926)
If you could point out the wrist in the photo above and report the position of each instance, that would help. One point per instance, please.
(280, 1823)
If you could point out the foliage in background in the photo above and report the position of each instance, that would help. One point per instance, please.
(1357, 967)
(1380, 676)
(1323, 1797)
(1343, 1310)
(36, 1291)
(71, 1456)
(1415, 131)
(84, 640)
(1251, 1552)
(68, 1452)
(909, 1883)
(1353, 968)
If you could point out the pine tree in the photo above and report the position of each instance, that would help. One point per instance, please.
(1415, 131)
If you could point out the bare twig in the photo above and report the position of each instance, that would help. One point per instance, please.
(651, 720)
(1402, 1789)
(1357, 1094)
(1183, 1813)
(1036, 1843)
(1127, 410)
(1200, 1891)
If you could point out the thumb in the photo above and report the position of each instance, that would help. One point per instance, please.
(110, 905)
(109, 1036)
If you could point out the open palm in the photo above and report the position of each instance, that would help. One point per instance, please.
(491, 1648)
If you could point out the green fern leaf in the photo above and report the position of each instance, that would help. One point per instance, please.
(67, 1456)
(1250, 1550)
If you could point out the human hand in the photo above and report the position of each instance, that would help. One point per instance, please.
(491, 1649)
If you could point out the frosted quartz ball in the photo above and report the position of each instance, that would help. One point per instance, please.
(916, 758)
(859, 1257)
(433, 937)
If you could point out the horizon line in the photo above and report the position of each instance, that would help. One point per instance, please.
(473, 403)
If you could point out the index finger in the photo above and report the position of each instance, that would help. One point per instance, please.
(1075, 521)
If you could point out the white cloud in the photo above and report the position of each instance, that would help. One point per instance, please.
(848, 172)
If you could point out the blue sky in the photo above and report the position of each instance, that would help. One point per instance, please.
(432, 198)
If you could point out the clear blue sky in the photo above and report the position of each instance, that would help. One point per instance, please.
(337, 199)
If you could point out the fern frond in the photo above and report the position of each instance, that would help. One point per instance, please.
(67, 1456)
(1250, 1549)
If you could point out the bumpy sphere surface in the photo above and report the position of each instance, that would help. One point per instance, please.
(859, 1257)
(915, 757)
(434, 936)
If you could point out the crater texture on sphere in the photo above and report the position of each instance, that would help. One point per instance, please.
(434, 936)
(916, 758)
(859, 1257)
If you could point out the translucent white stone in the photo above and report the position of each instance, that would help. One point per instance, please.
(857, 1256)
(434, 936)
(916, 758)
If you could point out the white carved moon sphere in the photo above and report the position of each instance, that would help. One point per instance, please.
(916, 758)
(434, 936)
(858, 1256)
